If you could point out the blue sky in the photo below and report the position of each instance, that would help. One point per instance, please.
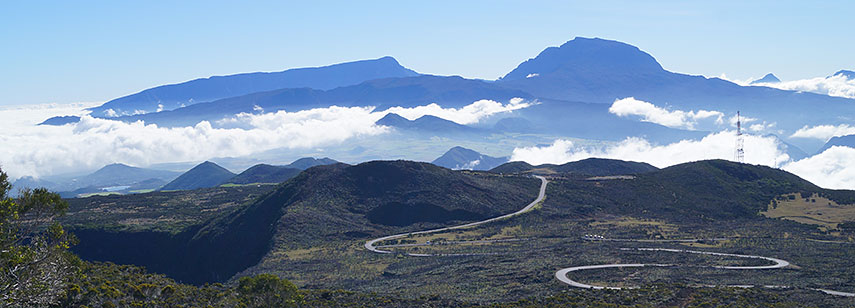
(61, 52)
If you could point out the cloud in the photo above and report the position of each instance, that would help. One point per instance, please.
(26, 149)
(837, 85)
(832, 168)
(824, 132)
(469, 114)
(758, 150)
(651, 113)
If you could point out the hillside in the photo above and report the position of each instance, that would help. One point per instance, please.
(309, 228)
(206, 174)
(463, 158)
(327, 203)
(264, 173)
(589, 166)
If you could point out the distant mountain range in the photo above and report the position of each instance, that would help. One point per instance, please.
(463, 158)
(573, 86)
(428, 123)
(202, 90)
(119, 178)
(845, 141)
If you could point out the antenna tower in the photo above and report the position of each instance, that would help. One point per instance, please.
(740, 140)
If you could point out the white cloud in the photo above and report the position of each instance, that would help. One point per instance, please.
(837, 85)
(824, 132)
(532, 75)
(651, 113)
(832, 168)
(469, 114)
(26, 149)
(758, 150)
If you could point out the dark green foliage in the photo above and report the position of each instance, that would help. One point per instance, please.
(266, 290)
(33, 258)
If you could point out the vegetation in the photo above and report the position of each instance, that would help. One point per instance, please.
(590, 166)
(309, 231)
(33, 259)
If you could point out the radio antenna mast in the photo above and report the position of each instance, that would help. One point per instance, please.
(740, 140)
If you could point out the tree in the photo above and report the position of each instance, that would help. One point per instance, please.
(267, 290)
(34, 261)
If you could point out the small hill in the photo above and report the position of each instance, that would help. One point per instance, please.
(844, 141)
(206, 174)
(263, 173)
(589, 166)
(769, 78)
(308, 162)
(513, 167)
(463, 158)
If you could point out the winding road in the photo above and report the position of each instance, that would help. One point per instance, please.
(561, 275)
(371, 245)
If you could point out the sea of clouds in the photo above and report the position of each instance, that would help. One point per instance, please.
(27, 149)
(30, 150)
(832, 168)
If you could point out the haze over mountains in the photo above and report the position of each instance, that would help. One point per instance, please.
(600, 94)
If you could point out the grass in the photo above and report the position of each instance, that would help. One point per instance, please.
(812, 210)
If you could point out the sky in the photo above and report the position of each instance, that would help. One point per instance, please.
(94, 51)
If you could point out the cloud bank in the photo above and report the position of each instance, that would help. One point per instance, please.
(651, 113)
(824, 132)
(837, 85)
(830, 169)
(30, 150)
(469, 114)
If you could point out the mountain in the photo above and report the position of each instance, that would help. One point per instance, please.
(109, 176)
(463, 158)
(600, 71)
(173, 96)
(381, 93)
(322, 204)
(121, 174)
(427, 123)
(769, 78)
(206, 174)
(308, 162)
(263, 173)
(589, 166)
(845, 141)
(848, 74)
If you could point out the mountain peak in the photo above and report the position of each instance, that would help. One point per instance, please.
(769, 78)
(846, 73)
(587, 56)
(206, 174)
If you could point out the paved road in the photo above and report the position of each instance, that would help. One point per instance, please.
(561, 275)
(371, 245)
